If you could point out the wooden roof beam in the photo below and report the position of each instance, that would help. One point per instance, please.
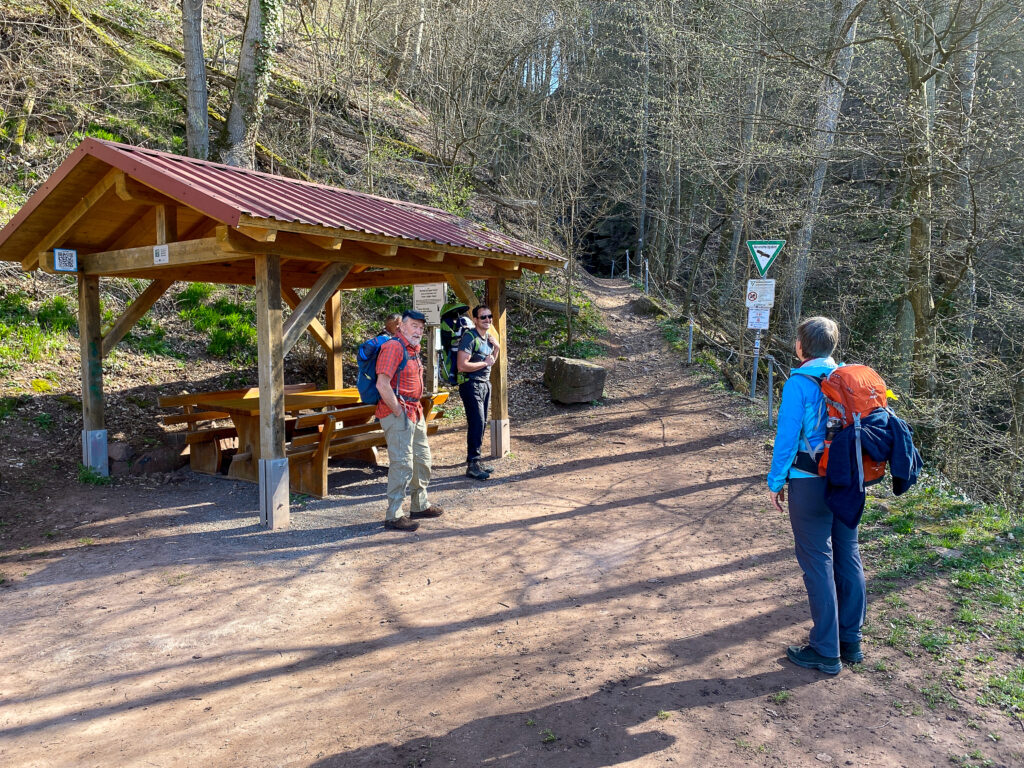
(469, 261)
(292, 246)
(433, 257)
(367, 238)
(381, 249)
(322, 241)
(130, 190)
(387, 277)
(56, 235)
(259, 234)
(204, 251)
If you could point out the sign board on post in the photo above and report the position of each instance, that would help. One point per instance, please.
(764, 252)
(428, 299)
(757, 318)
(760, 293)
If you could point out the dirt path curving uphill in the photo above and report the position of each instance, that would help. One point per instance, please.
(618, 595)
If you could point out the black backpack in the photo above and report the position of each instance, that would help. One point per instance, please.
(453, 325)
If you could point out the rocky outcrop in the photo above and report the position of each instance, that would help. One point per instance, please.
(574, 381)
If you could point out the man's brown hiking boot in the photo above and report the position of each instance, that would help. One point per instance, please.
(432, 511)
(401, 524)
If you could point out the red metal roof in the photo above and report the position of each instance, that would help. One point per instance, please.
(226, 193)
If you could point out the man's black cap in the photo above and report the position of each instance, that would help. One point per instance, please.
(414, 314)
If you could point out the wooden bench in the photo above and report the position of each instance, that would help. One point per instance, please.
(343, 432)
(209, 444)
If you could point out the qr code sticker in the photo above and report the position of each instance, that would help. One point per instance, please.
(65, 260)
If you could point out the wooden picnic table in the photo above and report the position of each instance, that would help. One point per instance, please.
(245, 414)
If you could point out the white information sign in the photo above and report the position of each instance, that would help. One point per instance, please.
(760, 293)
(757, 318)
(65, 260)
(160, 254)
(428, 299)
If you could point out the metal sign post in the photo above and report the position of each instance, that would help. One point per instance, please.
(757, 357)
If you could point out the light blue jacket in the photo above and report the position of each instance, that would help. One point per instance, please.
(801, 414)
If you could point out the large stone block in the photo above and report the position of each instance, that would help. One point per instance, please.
(574, 381)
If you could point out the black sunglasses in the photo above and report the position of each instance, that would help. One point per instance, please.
(485, 317)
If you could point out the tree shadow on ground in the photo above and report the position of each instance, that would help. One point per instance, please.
(592, 731)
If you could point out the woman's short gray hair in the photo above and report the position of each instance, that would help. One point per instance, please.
(818, 337)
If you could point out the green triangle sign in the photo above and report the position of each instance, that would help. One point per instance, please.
(764, 253)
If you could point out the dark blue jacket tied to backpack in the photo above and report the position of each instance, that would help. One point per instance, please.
(366, 381)
(883, 437)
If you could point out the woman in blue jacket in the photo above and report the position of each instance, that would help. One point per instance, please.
(825, 547)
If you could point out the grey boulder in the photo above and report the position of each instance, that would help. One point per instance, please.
(574, 381)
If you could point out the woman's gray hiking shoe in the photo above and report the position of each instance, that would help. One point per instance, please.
(475, 471)
(850, 652)
(808, 658)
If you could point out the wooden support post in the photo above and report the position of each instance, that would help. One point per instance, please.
(166, 224)
(332, 318)
(315, 328)
(273, 464)
(463, 289)
(310, 305)
(94, 435)
(501, 440)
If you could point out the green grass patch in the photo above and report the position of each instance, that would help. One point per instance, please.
(9, 405)
(148, 338)
(89, 476)
(229, 326)
(929, 537)
(30, 335)
(1006, 692)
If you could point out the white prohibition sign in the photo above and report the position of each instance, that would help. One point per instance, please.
(760, 293)
(757, 318)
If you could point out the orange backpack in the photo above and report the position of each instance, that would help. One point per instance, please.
(851, 393)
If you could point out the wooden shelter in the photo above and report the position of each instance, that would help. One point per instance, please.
(131, 212)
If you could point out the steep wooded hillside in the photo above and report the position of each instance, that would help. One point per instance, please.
(877, 138)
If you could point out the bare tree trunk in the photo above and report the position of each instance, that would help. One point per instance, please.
(197, 121)
(967, 79)
(919, 245)
(262, 28)
(645, 114)
(21, 124)
(830, 101)
(742, 179)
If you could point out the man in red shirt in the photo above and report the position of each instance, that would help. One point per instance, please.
(405, 428)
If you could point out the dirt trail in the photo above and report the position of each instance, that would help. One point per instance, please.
(618, 595)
